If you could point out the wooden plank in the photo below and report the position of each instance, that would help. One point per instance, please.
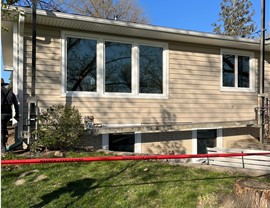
(234, 150)
(257, 162)
(239, 160)
(172, 127)
(238, 165)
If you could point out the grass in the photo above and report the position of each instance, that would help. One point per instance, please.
(113, 184)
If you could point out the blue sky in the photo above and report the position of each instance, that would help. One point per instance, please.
(197, 15)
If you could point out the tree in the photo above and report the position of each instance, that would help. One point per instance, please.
(6, 11)
(41, 4)
(126, 10)
(81, 76)
(236, 19)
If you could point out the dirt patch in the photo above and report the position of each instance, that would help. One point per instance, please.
(41, 177)
(20, 182)
(22, 178)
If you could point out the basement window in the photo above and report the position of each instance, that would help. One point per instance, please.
(122, 142)
(206, 138)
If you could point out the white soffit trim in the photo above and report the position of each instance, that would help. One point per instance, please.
(86, 23)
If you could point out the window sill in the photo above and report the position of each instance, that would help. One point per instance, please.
(115, 95)
(234, 89)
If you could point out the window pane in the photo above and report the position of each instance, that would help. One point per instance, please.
(151, 69)
(206, 138)
(122, 142)
(243, 71)
(81, 64)
(228, 70)
(117, 67)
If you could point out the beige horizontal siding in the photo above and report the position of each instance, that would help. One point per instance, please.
(194, 87)
(48, 62)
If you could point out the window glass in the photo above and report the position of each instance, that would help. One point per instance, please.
(150, 60)
(117, 67)
(206, 138)
(109, 69)
(81, 64)
(228, 70)
(243, 71)
(122, 142)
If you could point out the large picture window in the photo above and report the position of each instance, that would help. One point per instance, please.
(237, 71)
(109, 66)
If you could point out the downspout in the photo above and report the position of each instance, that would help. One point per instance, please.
(32, 101)
(262, 54)
(34, 40)
(18, 47)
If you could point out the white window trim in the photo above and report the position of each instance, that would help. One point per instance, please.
(105, 141)
(101, 67)
(137, 144)
(219, 140)
(251, 75)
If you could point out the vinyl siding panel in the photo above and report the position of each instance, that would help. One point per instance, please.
(267, 73)
(195, 83)
(194, 87)
(48, 62)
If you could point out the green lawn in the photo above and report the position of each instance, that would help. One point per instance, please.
(113, 184)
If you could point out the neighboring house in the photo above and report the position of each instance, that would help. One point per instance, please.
(135, 75)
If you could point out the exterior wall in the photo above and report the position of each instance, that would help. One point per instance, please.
(167, 143)
(195, 72)
(48, 60)
(267, 72)
(180, 142)
(194, 87)
(92, 141)
(194, 95)
(232, 135)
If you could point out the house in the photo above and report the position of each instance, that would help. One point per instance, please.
(139, 82)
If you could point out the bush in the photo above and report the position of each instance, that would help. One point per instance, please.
(59, 128)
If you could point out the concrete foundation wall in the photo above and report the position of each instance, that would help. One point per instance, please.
(167, 143)
(233, 135)
(179, 142)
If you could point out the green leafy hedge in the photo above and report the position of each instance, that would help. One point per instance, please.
(60, 127)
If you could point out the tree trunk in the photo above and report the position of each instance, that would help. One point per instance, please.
(253, 193)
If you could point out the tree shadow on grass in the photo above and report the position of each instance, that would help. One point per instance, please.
(77, 189)
(167, 181)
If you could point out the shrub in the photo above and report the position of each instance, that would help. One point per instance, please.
(60, 127)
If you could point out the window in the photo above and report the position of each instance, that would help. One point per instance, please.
(117, 67)
(122, 142)
(206, 138)
(237, 71)
(112, 67)
(81, 64)
(150, 69)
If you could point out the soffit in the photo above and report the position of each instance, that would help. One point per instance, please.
(99, 25)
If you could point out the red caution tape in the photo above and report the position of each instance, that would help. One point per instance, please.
(116, 158)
